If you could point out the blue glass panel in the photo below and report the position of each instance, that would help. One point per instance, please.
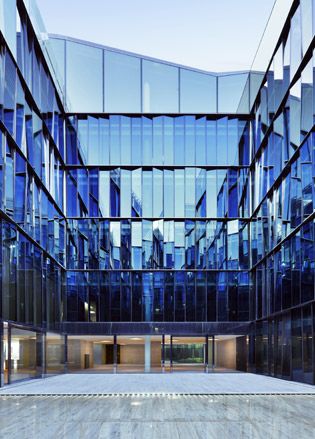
(179, 192)
(84, 77)
(222, 141)
(125, 193)
(180, 297)
(296, 42)
(230, 90)
(136, 245)
(125, 244)
(126, 297)
(211, 142)
(136, 192)
(157, 193)
(158, 246)
(104, 193)
(136, 141)
(179, 140)
(147, 296)
(189, 142)
(115, 242)
(147, 141)
(125, 140)
(159, 88)
(147, 193)
(104, 141)
(114, 126)
(115, 192)
(168, 193)
(198, 92)
(169, 244)
(122, 83)
(168, 140)
(190, 244)
(158, 301)
(157, 157)
(179, 241)
(190, 206)
(147, 244)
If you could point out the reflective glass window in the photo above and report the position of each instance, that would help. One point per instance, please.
(198, 92)
(230, 90)
(84, 77)
(296, 42)
(122, 83)
(57, 47)
(159, 87)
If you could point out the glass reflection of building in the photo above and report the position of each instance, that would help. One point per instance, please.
(154, 217)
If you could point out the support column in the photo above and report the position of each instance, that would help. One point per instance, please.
(66, 353)
(206, 353)
(171, 354)
(115, 354)
(147, 353)
(163, 353)
(40, 355)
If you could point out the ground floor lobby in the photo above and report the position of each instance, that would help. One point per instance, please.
(29, 354)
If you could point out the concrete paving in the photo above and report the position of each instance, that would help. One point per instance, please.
(168, 383)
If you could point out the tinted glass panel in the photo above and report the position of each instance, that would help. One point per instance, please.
(122, 83)
(84, 77)
(160, 88)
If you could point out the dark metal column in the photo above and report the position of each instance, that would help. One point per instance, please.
(115, 354)
(40, 354)
(65, 354)
(213, 352)
(206, 354)
(163, 353)
(171, 353)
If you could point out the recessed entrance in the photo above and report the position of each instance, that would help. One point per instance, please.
(147, 353)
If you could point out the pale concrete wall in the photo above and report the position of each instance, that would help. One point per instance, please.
(132, 354)
(225, 353)
(86, 348)
(76, 351)
(155, 353)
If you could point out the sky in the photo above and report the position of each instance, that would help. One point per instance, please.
(212, 35)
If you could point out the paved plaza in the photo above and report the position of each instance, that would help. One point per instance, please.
(158, 417)
(168, 383)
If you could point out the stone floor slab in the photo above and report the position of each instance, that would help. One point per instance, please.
(172, 383)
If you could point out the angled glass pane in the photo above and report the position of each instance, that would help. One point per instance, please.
(122, 83)
(84, 83)
(198, 92)
(159, 88)
(230, 90)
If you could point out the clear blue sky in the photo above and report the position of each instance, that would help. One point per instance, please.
(214, 35)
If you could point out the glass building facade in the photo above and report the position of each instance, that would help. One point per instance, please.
(155, 217)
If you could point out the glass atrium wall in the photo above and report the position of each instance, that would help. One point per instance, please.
(281, 177)
(160, 209)
(101, 79)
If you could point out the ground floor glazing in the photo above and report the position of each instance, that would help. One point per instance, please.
(30, 354)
